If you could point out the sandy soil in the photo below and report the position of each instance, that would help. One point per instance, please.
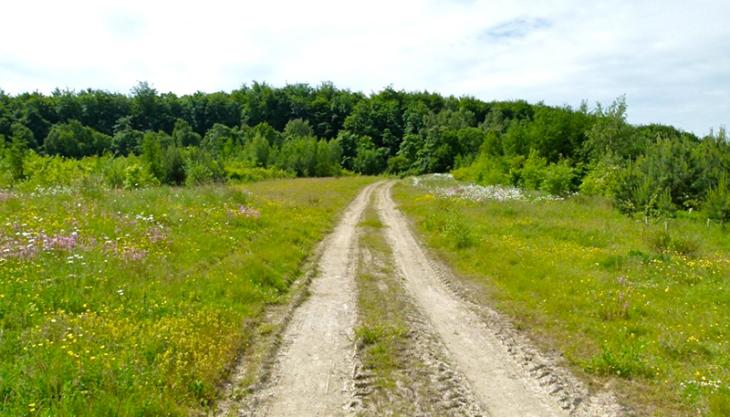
(313, 374)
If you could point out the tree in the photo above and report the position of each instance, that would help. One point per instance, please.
(717, 204)
(173, 166)
(222, 141)
(370, 160)
(21, 133)
(183, 134)
(146, 108)
(298, 128)
(75, 140)
(610, 134)
(153, 144)
(126, 140)
(15, 155)
(257, 151)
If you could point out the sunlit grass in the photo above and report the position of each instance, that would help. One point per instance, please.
(134, 303)
(646, 306)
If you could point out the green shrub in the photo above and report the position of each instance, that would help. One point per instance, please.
(637, 193)
(602, 179)
(624, 361)
(202, 168)
(533, 171)
(173, 166)
(137, 175)
(397, 164)
(717, 203)
(487, 169)
(113, 171)
(558, 179)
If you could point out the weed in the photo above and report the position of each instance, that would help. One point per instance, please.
(624, 361)
(459, 233)
(369, 335)
(663, 241)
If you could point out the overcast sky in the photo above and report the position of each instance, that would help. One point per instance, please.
(670, 58)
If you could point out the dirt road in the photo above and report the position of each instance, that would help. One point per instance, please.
(499, 372)
(313, 373)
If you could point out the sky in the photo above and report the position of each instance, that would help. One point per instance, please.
(670, 58)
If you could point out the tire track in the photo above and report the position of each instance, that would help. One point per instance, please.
(313, 372)
(505, 381)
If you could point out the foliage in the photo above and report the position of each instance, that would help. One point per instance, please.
(559, 179)
(370, 159)
(202, 168)
(75, 140)
(611, 135)
(602, 178)
(717, 205)
(309, 157)
(652, 169)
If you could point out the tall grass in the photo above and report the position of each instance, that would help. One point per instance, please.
(644, 305)
(134, 303)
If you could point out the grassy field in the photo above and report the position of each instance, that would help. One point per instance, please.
(641, 308)
(135, 303)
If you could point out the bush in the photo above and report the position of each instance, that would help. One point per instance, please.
(52, 170)
(533, 171)
(201, 168)
(717, 203)
(663, 241)
(173, 166)
(137, 175)
(397, 164)
(75, 140)
(112, 170)
(601, 180)
(245, 173)
(15, 156)
(558, 179)
(308, 157)
(370, 160)
(487, 170)
(637, 193)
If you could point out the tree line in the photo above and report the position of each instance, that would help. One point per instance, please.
(319, 131)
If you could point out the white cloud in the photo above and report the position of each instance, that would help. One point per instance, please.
(671, 58)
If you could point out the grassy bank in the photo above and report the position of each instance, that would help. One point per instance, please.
(643, 308)
(134, 303)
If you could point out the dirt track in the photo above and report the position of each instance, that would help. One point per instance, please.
(313, 373)
(500, 373)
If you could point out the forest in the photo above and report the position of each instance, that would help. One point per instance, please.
(147, 138)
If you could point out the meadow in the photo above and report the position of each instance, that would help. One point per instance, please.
(138, 302)
(639, 306)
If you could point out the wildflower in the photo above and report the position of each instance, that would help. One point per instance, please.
(249, 212)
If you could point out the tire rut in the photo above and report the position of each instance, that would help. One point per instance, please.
(459, 358)
(312, 374)
(508, 376)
